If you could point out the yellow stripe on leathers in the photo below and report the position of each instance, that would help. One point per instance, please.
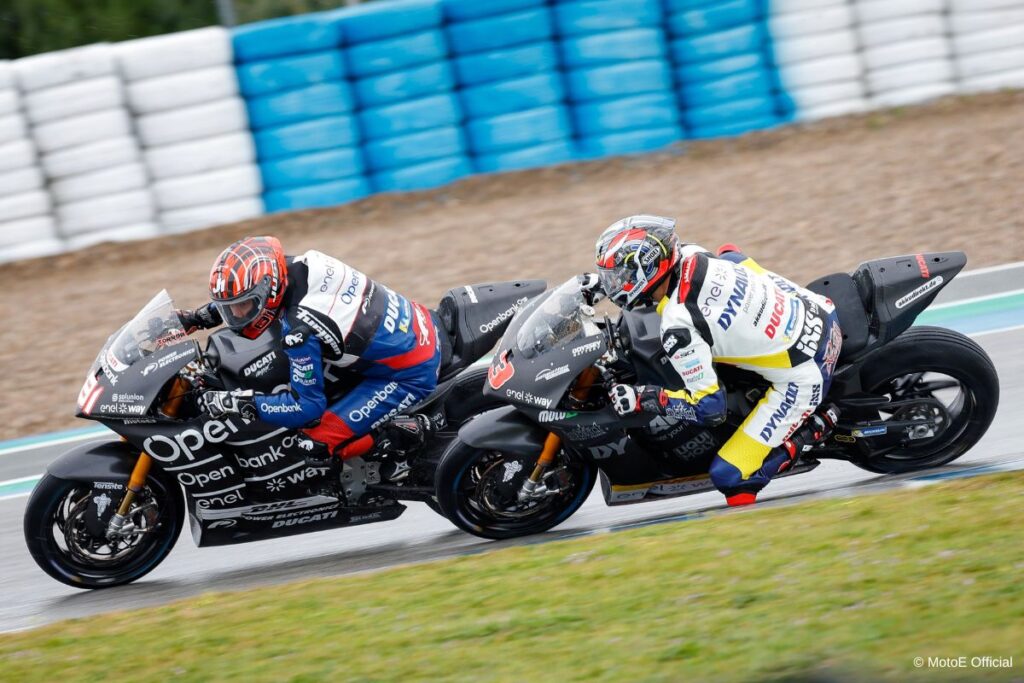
(753, 265)
(774, 360)
(692, 399)
(743, 451)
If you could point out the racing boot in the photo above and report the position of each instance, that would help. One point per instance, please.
(812, 432)
(402, 436)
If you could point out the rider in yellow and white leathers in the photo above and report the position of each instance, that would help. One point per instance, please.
(725, 309)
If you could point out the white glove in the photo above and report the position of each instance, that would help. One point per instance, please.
(630, 400)
(590, 283)
(219, 404)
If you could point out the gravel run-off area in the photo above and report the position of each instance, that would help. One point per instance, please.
(803, 200)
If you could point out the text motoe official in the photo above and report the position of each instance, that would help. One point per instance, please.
(964, 662)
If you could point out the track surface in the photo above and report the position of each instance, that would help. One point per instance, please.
(31, 598)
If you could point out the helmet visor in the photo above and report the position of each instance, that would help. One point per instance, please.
(618, 283)
(244, 308)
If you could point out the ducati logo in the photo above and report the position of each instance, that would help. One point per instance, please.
(500, 372)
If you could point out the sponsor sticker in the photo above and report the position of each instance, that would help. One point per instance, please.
(551, 373)
(504, 315)
(870, 431)
(590, 347)
(378, 397)
(913, 296)
(555, 415)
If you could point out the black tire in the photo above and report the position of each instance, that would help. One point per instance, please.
(466, 402)
(44, 535)
(459, 499)
(942, 352)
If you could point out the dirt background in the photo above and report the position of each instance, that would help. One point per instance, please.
(804, 200)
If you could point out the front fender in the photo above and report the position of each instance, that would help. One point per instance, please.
(95, 461)
(503, 429)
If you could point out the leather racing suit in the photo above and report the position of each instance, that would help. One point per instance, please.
(335, 323)
(731, 310)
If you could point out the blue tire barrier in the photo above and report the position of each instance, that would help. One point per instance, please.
(415, 148)
(746, 85)
(499, 133)
(720, 68)
(619, 80)
(518, 94)
(407, 117)
(718, 17)
(547, 154)
(422, 176)
(593, 16)
(288, 73)
(293, 106)
(732, 128)
(382, 56)
(467, 10)
(673, 6)
(613, 46)
(308, 136)
(318, 195)
(378, 21)
(501, 65)
(653, 110)
(739, 110)
(308, 169)
(405, 85)
(629, 142)
(285, 36)
(501, 31)
(719, 45)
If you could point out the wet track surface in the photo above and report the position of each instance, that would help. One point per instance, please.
(31, 598)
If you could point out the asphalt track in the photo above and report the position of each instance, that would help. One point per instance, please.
(31, 598)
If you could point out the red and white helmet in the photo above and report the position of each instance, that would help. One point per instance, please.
(247, 284)
(634, 256)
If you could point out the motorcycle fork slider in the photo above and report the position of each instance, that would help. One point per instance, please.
(140, 472)
(547, 456)
(553, 442)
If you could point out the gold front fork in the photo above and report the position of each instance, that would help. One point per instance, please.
(553, 442)
(140, 472)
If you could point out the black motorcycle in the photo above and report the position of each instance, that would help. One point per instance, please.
(909, 399)
(107, 512)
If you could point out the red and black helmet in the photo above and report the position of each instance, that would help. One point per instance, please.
(247, 284)
(634, 256)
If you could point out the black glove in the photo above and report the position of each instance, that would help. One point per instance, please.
(590, 283)
(630, 400)
(202, 318)
(219, 404)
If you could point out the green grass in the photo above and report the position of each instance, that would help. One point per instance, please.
(859, 586)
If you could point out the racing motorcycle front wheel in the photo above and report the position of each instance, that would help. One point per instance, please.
(478, 490)
(64, 543)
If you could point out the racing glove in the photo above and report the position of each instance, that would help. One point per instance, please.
(202, 318)
(630, 400)
(219, 404)
(590, 284)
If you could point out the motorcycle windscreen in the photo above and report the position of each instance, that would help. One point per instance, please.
(552, 321)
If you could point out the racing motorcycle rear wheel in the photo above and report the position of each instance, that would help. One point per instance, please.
(477, 490)
(58, 538)
(940, 378)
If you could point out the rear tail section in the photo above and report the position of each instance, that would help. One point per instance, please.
(475, 316)
(900, 287)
